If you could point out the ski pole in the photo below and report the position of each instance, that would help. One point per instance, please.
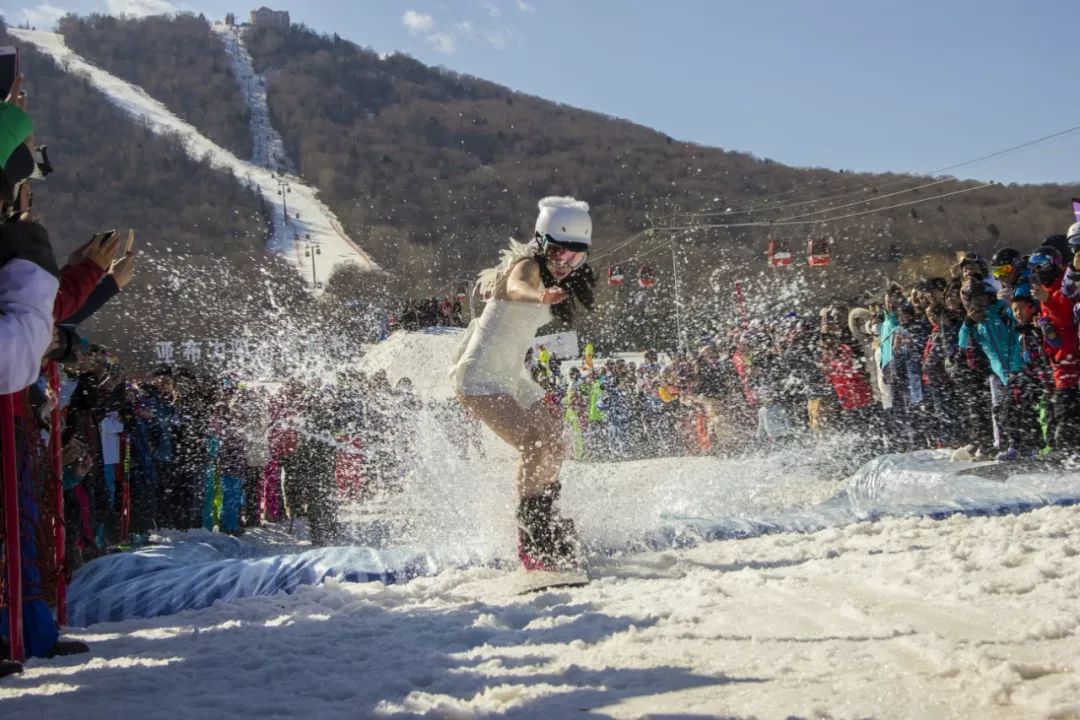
(12, 551)
(56, 456)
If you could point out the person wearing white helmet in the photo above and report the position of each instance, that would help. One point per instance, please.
(1073, 238)
(534, 281)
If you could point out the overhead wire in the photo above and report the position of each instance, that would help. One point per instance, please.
(825, 198)
(786, 223)
(767, 223)
(796, 219)
(889, 183)
(863, 202)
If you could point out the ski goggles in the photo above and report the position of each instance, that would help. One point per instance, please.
(1000, 272)
(561, 255)
(1041, 261)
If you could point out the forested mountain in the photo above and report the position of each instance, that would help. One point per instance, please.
(431, 171)
(200, 233)
(177, 61)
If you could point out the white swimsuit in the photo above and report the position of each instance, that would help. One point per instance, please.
(491, 359)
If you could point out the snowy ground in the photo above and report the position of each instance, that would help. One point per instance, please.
(308, 224)
(765, 586)
(899, 618)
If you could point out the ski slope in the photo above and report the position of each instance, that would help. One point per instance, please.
(301, 222)
(268, 149)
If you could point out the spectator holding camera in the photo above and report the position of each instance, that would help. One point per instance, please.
(28, 273)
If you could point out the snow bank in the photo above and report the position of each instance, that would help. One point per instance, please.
(423, 357)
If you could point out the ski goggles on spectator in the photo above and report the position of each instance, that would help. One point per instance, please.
(1000, 272)
(559, 254)
(1041, 261)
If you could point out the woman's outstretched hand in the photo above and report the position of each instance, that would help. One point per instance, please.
(552, 296)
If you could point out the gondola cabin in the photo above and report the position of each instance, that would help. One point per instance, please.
(817, 252)
(645, 277)
(615, 276)
(779, 254)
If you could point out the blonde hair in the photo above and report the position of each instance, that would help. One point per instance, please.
(489, 281)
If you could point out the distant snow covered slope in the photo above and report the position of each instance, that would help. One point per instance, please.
(301, 221)
(268, 149)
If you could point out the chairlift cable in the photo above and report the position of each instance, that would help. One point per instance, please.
(931, 173)
(690, 228)
(869, 200)
(790, 221)
(776, 223)
(812, 201)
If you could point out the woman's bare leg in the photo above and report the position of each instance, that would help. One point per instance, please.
(546, 541)
(533, 431)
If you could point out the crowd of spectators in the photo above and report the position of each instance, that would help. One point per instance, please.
(433, 312)
(983, 362)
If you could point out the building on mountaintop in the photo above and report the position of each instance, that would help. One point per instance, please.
(265, 17)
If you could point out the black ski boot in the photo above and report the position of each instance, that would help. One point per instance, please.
(546, 541)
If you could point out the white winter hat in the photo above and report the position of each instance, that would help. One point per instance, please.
(566, 221)
(1074, 231)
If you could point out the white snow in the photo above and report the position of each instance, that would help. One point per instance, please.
(818, 596)
(899, 618)
(268, 149)
(316, 225)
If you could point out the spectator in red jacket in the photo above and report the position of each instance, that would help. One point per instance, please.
(84, 270)
(1058, 326)
(844, 370)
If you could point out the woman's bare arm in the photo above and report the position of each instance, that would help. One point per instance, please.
(525, 285)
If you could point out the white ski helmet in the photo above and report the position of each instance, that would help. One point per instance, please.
(566, 221)
(1074, 232)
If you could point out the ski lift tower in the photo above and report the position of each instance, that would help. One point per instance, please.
(311, 249)
(283, 190)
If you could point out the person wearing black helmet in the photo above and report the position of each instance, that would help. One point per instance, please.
(1058, 325)
(1062, 245)
(1022, 431)
(969, 264)
(1007, 267)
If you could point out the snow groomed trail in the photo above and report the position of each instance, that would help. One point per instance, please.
(268, 149)
(307, 222)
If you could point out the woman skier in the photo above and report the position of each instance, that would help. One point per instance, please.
(531, 283)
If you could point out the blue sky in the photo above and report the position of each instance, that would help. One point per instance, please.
(860, 85)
